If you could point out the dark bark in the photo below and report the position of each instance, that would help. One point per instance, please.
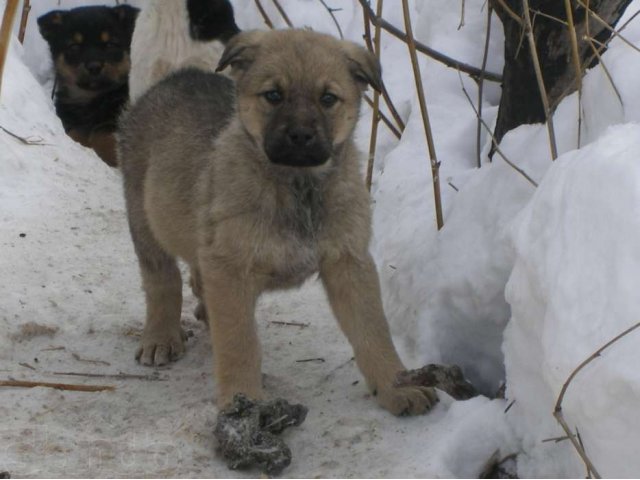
(521, 101)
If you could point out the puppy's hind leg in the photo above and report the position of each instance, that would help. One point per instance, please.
(162, 338)
(195, 281)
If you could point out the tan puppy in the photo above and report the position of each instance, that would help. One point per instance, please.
(258, 199)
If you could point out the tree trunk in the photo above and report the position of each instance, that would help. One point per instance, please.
(521, 101)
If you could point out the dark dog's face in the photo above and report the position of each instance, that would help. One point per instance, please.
(299, 92)
(90, 46)
(211, 20)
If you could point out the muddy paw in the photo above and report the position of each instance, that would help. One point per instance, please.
(409, 400)
(157, 349)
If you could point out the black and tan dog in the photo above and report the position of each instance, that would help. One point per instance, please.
(90, 50)
(257, 187)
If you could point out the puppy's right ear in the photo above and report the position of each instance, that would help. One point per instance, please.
(50, 24)
(240, 51)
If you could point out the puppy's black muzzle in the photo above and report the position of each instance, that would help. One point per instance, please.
(298, 146)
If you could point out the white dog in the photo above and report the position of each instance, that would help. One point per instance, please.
(172, 34)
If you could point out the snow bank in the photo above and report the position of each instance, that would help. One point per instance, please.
(573, 288)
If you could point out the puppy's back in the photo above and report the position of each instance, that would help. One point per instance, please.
(179, 116)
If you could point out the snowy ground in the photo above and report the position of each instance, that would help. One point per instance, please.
(71, 302)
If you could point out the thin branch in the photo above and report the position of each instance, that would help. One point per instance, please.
(263, 12)
(23, 140)
(514, 16)
(114, 376)
(397, 133)
(375, 119)
(604, 23)
(575, 55)
(335, 20)
(283, 14)
(435, 165)
(543, 91)
(496, 146)
(422, 48)
(26, 8)
(557, 412)
(57, 386)
(10, 10)
(461, 24)
(485, 56)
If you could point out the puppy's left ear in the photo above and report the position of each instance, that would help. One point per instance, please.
(126, 15)
(240, 52)
(50, 24)
(364, 66)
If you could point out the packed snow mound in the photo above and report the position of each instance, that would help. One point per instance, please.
(573, 288)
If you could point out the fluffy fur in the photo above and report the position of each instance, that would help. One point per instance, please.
(172, 34)
(243, 196)
(90, 50)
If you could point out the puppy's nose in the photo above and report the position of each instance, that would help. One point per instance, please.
(301, 136)
(94, 68)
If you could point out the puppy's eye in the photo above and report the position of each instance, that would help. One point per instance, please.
(273, 96)
(328, 100)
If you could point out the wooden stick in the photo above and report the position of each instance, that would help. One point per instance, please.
(435, 165)
(335, 20)
(26, 8)
(283, 13)
(538, 70)
(557, 412)
(10, 10)
(263, 12)
(57, 386)
(485, 56)
(430, 52)
(575, 55)
(397, 133)
(375, 119)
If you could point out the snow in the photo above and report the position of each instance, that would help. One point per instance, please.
(521, 285)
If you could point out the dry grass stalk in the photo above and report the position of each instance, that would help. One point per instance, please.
(485, 56)
(575, 56)
(397, 133)
(375, 118)
(283, 14)
(57, 386)
(26, 8)
(601, 21)
(557, 412)
(496, 146)
(10, 10)
(430, 52)
(335, 20)
(509, 12)
(543, 91)
(435, 165)
(263, 12)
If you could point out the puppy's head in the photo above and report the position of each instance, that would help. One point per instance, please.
(90, 45)
(211, 20)
(299, 91)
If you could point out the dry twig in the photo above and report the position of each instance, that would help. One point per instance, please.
(375, 118)
(57, 386)
(335, 20)
(263, 12)
(283, 14)
(557, 412)
(575, 55)
(493, 139)
(10, 10)
(430, 52)
(485, 56)
(543, 91)
(26, 8)
(435, 165)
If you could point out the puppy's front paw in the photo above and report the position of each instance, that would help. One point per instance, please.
(160, 348)
(407, 400)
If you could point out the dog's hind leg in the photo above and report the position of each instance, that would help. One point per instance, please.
(195, 281)
(162, 338)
